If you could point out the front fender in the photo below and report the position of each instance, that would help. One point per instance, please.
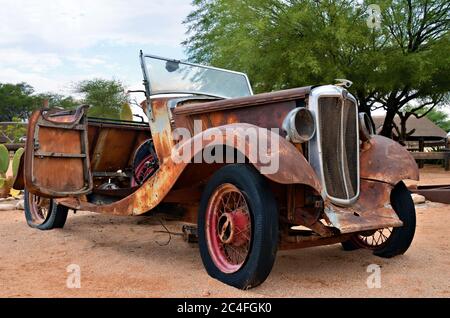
(272, 155)
(386, 160)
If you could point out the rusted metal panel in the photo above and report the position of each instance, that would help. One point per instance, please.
(295, 242)
(371, 211)
(260, 99)
(56, 154)
(385, 160)
(161, 129)
(112, 147)
(264, 116)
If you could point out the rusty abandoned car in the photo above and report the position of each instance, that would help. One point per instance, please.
(334, 180)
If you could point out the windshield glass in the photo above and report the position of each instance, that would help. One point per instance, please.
(169, 76)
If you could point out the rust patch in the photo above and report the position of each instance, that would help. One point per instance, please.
(372, 210)
(56, 153)
(387, 161)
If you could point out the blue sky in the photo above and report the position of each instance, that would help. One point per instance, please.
(52, 44)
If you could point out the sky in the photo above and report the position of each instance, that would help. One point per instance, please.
(52, 44)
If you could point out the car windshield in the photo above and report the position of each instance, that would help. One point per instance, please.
(165, 76)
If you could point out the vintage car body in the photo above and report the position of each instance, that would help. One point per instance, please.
(327, 189)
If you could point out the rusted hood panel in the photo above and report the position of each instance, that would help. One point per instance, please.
(260, 99)
(386, 160)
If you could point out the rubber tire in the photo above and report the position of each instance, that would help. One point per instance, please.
(401, 237)
(264, 213)
(56, 219)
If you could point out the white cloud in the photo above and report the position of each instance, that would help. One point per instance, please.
(27, 60)
(53, 43)
(86, 62)
(40, 82)
(83, 23)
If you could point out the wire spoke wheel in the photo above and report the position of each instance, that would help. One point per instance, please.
(373, 240)
(39, 208)
(238, 226)
(144, 169)
(228, 228)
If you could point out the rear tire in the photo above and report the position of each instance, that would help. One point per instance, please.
(44, 214)
(238, 227)
(400, 238)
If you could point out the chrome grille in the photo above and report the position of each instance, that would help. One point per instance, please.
(339, 145)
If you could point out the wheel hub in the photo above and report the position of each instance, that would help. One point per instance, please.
(232, 228)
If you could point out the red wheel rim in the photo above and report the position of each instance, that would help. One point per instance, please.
(143, 169)
(39, 208)
(373, 240)
(228, 228)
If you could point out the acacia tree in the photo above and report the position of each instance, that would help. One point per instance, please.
(58, 100)
(16, 101)
(291, 43)
(417, 62)
(440, 118)
(106, 97)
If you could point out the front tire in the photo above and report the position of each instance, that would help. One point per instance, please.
(43, 213)
(238, 227)
(390, 242)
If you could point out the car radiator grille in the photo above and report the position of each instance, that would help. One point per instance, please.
(339, 143)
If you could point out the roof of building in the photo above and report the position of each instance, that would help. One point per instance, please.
(423, 126)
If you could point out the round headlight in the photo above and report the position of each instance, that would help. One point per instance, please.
(299, 125)
(365, 127)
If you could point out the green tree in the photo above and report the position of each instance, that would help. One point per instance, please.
(105, 97)
(439, 117)
(14, 131)
(16, 101)
(285, 44)
(58, 100)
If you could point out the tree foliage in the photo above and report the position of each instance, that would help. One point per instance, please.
(58, 100)
(291, 43)
(16, 101)
(440, 118)
(105, 97)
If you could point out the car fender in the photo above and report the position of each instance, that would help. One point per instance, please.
(385, 160)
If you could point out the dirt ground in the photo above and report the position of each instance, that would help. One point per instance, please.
(123, 257)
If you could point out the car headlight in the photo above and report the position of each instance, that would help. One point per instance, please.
(365, 127)
(299, 125)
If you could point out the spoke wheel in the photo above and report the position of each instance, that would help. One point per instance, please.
(373, 240)
(143, 170)
(39, 208)
(389, 242)
(43, 213)
(229, 228)
(238, 226)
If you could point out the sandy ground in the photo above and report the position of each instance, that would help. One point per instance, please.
(432, 175)
(122, 257)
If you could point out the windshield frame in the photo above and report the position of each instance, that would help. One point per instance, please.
(147, 83)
